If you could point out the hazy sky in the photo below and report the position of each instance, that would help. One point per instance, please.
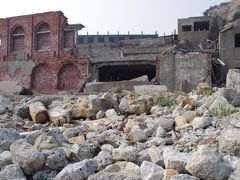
(115, 15)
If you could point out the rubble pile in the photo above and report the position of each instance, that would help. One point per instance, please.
(124, 135)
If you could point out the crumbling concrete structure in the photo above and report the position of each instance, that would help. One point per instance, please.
(183, 71)
(195, 30)
(229, 47)
(38, 52)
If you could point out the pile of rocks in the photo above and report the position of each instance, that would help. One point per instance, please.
(122, 136)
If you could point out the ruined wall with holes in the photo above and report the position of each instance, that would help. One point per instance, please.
(183, 71)
(38, 52)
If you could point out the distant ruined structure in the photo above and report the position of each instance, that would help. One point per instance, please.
(43, 52)
(38, 52)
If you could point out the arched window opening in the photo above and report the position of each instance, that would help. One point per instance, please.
(43, 37)
(17, 39)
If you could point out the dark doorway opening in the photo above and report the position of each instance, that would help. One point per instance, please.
(237, 40)
(126, 72)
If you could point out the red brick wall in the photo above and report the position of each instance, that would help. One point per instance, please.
(50, 70)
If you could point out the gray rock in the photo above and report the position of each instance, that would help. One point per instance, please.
(5, 159)
(229, 142)
(5, 105)
(201, 122)
(103, 159)
(112, 176)
(233, 78)
(100, 114)
(127, 153)
(175, 160)
(81, 152)
(207, 164)
(232, 95)
(107, 147)
(221, 106)
(32, 136)
(135, 106)
(7, 137)
(183, 177)
(137, 134)
(26, 156)
(111, 114)
(71, 132)
(143, 156)
(79, 171)
(156, 155)
(57, 159)
(165, 122)
(57, 134)
(45, 142)
(59, 116)
(160, 132)
(150, 170)
(12, 172)
(44, 175)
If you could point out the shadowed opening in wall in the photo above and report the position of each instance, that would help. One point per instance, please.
(125, 72)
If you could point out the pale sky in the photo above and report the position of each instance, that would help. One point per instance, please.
(115, 15)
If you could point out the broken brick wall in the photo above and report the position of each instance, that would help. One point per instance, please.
(33, 52)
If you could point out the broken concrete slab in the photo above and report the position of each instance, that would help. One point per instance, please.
(150, 89)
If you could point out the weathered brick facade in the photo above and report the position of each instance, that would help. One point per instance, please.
(38, 51)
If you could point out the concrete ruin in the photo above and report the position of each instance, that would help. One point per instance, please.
(229, 45)
(43, 52)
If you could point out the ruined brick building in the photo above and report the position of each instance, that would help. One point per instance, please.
(45, 53)
(38, 52)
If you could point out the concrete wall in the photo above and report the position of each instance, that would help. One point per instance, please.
(229, 54)
(106, 86)
(183, 71)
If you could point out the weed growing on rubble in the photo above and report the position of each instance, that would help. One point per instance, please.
(222, 111)
(163, 101)
(117, 89)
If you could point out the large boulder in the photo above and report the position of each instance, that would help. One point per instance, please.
(26, 156)
(13, 172)
(221, 106)
(232, 95)
(5, 159)
(229, 142)
(137, 106)
(208, 164)
(127, 153)
(57, 159)
(174, 159)
(45, 142)
(103, 159)
(87, 108)
(7, 137)
(137, 134)
(233, 78)
(78, 171)
(201, 122)
(59, 116)
(150, 170)
(38, 112)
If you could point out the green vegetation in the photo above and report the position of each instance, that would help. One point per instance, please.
(117, 90)
(163, 101)
(222, 111)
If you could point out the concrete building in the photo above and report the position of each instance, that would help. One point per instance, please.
(197, 30)
(38, 52)
(112, 38)
(125, 59)
(229, 47)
